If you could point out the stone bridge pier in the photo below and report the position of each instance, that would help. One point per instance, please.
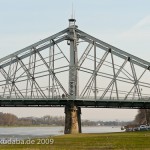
(72, 119)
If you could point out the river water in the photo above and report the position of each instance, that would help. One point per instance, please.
(36, 132)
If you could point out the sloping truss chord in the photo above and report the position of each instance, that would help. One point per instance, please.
(41, 71)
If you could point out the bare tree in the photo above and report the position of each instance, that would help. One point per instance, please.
(143, 116)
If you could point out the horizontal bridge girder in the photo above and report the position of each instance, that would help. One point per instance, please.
(80, 103)
(33, 45)
(116, 50)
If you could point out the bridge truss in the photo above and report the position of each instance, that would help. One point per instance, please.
(38, 75)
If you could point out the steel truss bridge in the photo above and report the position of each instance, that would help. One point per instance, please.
(73, 68)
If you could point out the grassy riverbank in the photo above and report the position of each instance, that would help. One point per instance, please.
(119, 141)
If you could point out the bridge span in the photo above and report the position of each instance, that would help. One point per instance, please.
(73, 69)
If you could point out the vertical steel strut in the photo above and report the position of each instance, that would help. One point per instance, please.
(72, 111)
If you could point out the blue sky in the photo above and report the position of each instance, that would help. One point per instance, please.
(122, 23)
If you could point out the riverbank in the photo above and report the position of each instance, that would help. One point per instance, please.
(33, 132)
(123, 140)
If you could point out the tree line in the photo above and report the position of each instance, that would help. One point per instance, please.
(8, 119)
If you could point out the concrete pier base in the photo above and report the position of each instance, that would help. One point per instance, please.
(72, 119)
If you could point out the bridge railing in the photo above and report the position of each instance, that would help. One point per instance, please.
(89, 98)
(145, 98)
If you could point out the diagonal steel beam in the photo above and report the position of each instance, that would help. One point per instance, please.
(135, 79)
(95, 71)
(122, 53)
(116, 53)
(56, 79)
(135, 84)
(113, 80)
(84, 55)
(6, 76)
(111, 90)
(30, 77)
(34, 45)
(30, 53)
(13, 79)
(60, 50)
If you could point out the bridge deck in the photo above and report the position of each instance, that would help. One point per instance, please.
(85, 103)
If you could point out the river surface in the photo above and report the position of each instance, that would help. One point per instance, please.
(35, 132)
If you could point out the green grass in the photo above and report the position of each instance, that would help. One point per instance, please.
(118, 141)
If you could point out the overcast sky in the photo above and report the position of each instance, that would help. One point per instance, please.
(122, 23)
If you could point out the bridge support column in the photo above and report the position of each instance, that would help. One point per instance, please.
(72, 119)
